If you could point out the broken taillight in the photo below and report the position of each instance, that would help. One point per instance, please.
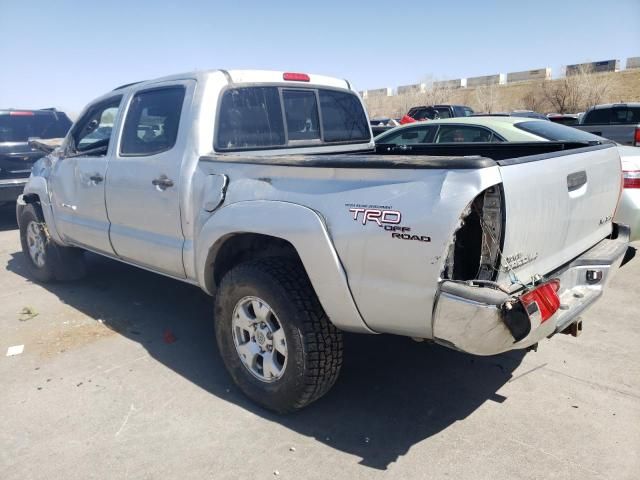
(546, 297)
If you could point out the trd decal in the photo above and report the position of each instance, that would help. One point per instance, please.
(376, 215)
(385, 218)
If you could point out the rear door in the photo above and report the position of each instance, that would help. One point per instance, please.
(143, 184)
(558, 205)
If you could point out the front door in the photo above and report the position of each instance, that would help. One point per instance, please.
(78, 180)
(143, 185)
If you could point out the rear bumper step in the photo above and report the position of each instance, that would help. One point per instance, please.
(474, 319)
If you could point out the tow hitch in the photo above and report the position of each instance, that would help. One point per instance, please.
(574, 329)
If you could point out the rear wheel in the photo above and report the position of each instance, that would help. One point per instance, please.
(273, 335)
(45, 260)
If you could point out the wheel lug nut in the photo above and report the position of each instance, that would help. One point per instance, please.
(269, 335)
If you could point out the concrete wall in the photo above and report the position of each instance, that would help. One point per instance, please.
(594, 67)
(527, 75)
(379, 92)
(633, 62)
(457, 83)
(498, 79)
(415, 88)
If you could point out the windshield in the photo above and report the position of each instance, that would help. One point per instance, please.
(18, 128)
(557, 133)
(252, 118)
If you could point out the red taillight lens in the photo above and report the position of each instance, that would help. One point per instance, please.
(296, 77)
(631, 178)
(21, 114)
(546, 296)
(636, 137)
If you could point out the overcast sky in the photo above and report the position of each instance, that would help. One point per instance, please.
(63, 54)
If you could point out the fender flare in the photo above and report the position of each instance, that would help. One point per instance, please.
(303, 228)
(38, 186)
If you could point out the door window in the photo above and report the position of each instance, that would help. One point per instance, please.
(152, 122)
(409, 136)
(462, 134)
(597, 116)
(92, 134)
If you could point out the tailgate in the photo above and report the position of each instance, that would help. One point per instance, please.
(557, 206)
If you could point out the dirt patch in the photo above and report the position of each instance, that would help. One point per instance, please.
(72, 336)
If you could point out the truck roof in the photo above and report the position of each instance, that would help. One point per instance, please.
(612, 105)
(245, 76)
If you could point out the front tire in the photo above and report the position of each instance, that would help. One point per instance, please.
(273, 335)
(46, 261)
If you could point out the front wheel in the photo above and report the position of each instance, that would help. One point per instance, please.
(273, 335)
(45, 260)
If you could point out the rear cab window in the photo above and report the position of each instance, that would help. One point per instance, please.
(623, 115)
(19, 126)
(268, 117)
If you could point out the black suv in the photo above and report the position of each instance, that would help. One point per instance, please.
(16, 155)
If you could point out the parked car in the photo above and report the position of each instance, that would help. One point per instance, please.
(569, 119)
(628, 211)
(617, 121)
(488, 128)
(513, 129)
(382, 124)
(514, 113)
(16, 155)
(296, 248)
(434, 112)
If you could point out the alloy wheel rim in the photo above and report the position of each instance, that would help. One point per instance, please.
(259, 339)
(36, 243)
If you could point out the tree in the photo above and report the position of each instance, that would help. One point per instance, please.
(533, 98)
(487, 97)
(563, 94)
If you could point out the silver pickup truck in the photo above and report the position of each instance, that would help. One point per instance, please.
(188, 177)
(619, 122)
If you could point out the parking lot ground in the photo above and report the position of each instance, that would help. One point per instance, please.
(102, 391)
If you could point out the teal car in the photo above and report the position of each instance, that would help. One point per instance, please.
(483, 129)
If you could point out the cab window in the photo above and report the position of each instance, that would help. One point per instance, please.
(92, 133)
(464, 134)
(152, 122)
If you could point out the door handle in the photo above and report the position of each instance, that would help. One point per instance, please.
(96, 178)
(162, 183)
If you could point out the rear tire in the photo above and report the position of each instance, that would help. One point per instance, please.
(47, 261)
(288, 314)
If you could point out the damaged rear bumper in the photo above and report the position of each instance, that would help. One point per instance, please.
(474, 319)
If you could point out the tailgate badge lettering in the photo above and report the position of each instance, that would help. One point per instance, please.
(517, 260)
